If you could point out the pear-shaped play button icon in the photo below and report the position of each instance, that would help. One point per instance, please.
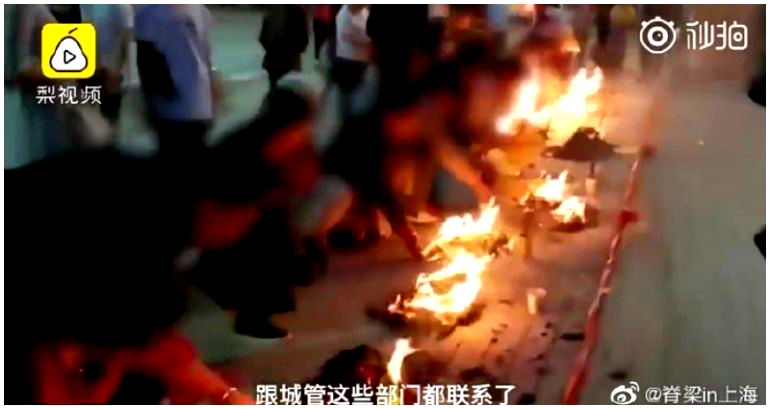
(68, 56)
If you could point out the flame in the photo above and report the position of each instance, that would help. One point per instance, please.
(449, 292)
(402, 350)
(465, 227)
(553, 190)
(462, 276)
(525, 107)
(571, 210)
(562, 117)
(573, 109)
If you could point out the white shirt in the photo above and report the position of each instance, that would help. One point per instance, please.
(352, 41)
(181, 33)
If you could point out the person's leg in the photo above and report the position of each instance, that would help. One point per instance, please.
(320, 35)
(339, 76)
(235, 279)
(180, 144)
(110, 107)
(323, 208)
(358, 228)
(279, 63)
(348, 75)
(315, 215)
(651, 64)
(270, 64)
(423, 178)
(178, 139)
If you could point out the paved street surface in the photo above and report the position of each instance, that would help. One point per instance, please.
(688, 305)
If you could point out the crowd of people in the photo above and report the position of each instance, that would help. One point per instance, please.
(104, 246)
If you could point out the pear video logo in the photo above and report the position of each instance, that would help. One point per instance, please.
(68, 51)
(68, 55)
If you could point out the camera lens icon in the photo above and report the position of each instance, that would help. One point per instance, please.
(657, 35)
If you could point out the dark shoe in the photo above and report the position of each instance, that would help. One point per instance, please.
(759, 241)
(258, 328)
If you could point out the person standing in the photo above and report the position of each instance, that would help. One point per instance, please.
(284, 37)
(613, 25)
(583, 16)
(353, 50)
(114, 23)
(324, 29)
(174, 61)
(403, 46)
(652, 64)
(38, 130)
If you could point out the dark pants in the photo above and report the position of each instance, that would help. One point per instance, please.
(180, 143)
(256, 276)
(321, 32)
(347, 74)
(110, 107)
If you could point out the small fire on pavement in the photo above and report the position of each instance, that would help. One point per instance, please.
(459, 230)
(571, 210)
(552, 190)
(468, 245)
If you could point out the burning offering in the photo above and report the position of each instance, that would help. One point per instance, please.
(468, 245)
(552, 190)
(571, 210)
(560, 118)
(585, 145)
(447, 293)
(573, 215)
(458, 232)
